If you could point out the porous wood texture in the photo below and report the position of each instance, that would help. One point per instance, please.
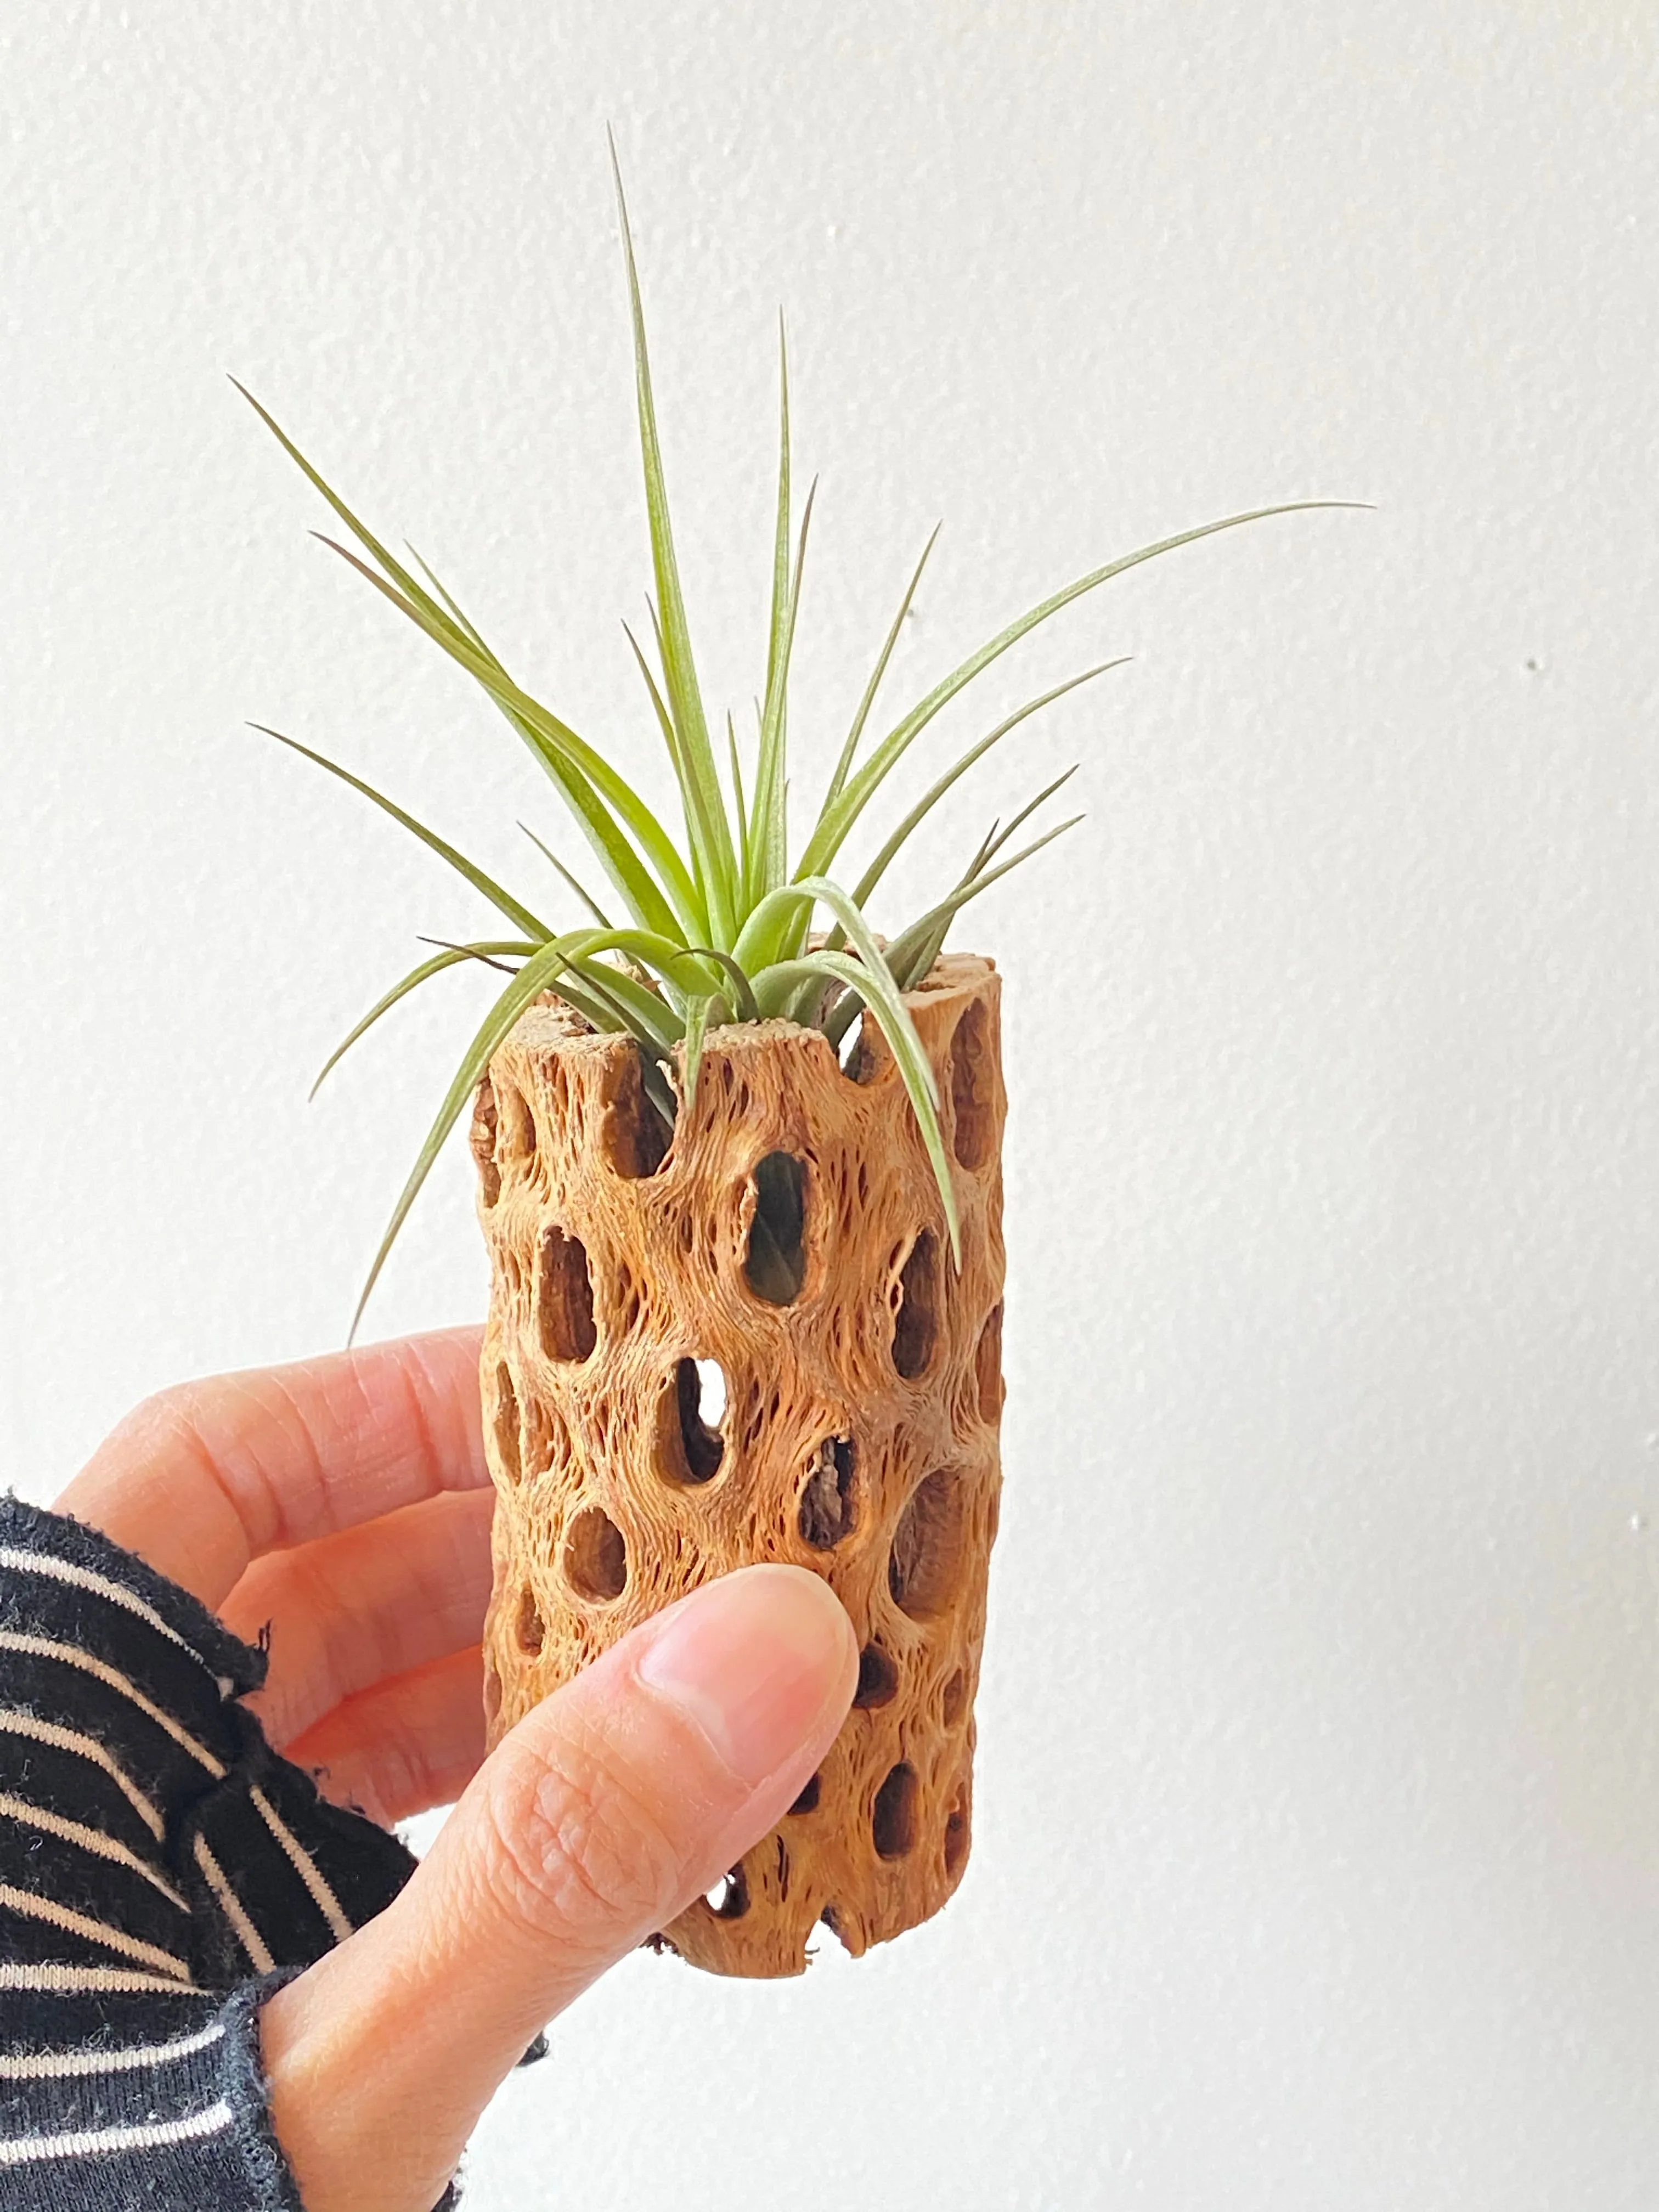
(791, 1233)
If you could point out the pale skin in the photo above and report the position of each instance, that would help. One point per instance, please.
(346, 1501)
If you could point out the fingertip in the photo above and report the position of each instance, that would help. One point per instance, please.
(762, 1660)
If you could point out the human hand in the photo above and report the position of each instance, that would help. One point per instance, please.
(347, 1502)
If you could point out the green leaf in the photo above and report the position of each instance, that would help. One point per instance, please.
(618, 858)
(739, 811)
(548, 853)
(844, 808)
(800, 898)
(532, 979)
(364, 537)
(999, 835)
(485, 957)
(480, 882)
(849, 750)
(712, 831)
(650, 1019)
(904, 953)
(697, 1022)
(773, 718)
(467, 629)
(557, 744)
(768, 827)
(620, 863)
(742, 994)
(453, 956)
(689, 796)
(884, 860)
(627, 872)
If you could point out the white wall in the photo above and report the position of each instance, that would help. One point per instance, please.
(1319, 1809)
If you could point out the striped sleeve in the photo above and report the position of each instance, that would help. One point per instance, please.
(162, 1871)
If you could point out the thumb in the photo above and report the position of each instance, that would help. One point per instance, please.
(603, 1815)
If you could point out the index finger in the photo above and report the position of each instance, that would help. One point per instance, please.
(204, 1477)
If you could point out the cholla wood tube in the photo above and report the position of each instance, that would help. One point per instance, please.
(792, 1232)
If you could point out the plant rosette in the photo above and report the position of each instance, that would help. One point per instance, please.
(740, 1173)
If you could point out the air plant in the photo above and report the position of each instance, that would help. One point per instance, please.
(726, 923)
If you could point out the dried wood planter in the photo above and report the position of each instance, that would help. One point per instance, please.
(792, 1234)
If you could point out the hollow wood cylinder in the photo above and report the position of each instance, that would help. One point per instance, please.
(791, 1235)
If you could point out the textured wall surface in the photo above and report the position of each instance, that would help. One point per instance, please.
(1316, 1860)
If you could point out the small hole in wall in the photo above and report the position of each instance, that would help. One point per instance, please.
(924, 1563)
(987, 1366)
(635, 1135)
(828, 1506)
(529, 1628)
(972, 1088)
(808, 1800)
(481, 1138)
(776, 1261)
(729, 1897)
(564, 1297)
(693, 1410)
(956, 1833)
(954, 1703)
(877, 1680)
(506, 1425)
(893, 1824)
(596, 1556)
(915, 1324)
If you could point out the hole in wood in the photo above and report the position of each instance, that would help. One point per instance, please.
(862, 1055)
(506, 1425)
(893, 1824)
(987, 1366)
(596, 1556)
(972, 1088)
(956, 1833)
(926, 1559)
(634, 1134)
(954, 1703)
(492, 1692)
(808, 1800)
(776, 1262)
(564, 1297)
(828, 1506)
(877, 1680)
(529, 1628)
(729, 1897)
(481, 1138)
(694, 1408)
(516, 1138)
(916, 1323)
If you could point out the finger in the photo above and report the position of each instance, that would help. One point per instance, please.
(208, 1476)
(346, 1611)
(406, 1745)
(601, 1816)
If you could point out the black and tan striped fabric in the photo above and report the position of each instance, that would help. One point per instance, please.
(161, 1869)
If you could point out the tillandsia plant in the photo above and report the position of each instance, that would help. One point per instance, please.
(719, 928)
(679, 1172)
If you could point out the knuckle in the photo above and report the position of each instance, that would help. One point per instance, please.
(572, 1850)
(393, 1783)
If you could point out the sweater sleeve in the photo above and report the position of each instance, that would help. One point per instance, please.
(162, 1871)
